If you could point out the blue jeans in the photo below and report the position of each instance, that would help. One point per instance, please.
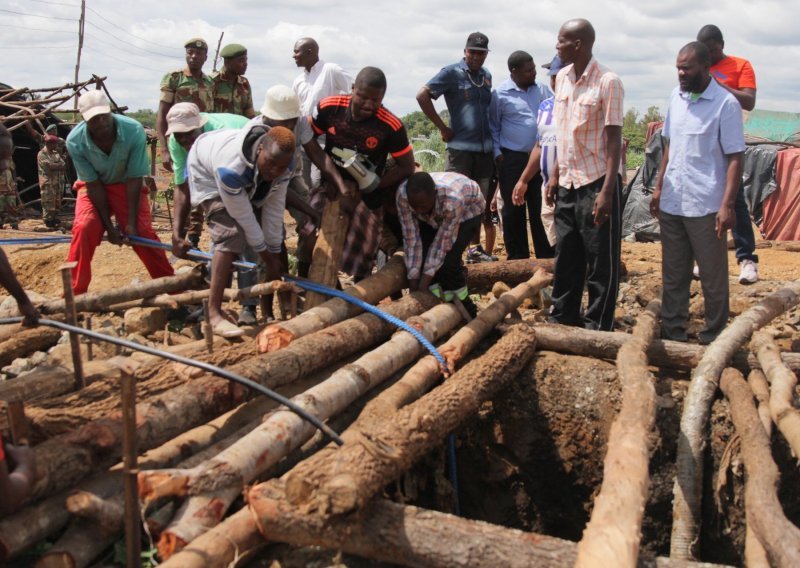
(743, 236)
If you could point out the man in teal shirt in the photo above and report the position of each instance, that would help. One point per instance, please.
(110, 157)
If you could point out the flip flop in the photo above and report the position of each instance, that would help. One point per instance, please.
(226, 329)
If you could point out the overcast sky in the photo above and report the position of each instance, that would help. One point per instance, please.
(134, 43)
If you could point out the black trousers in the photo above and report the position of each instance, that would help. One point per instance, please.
(586, 253)
(515, 228)
(451, 275)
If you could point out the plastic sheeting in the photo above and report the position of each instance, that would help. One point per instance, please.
(782, 207)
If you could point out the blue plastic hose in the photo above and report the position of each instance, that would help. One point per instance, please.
(367, 307)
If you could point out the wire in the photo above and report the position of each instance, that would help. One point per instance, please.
(38, 15)
(109, 44)
(92, 50)
(208, 367)
(36, 46)
(129, 43)
(56, 3)
(96, 13)
(37, 29)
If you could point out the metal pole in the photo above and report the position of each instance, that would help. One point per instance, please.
(133, 542)
(89, 342)
(72, 319)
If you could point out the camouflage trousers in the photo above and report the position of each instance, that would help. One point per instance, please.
(9, 208)
(52, 196)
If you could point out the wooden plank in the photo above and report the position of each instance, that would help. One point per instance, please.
(327, 256)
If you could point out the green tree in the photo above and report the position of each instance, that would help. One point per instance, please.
(145, 116)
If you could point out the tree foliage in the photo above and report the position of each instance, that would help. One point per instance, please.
(145, 116)
(635, 128)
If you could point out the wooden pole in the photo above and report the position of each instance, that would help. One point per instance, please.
(81, 25)
(133, 542)
(216, 55)
(72, 319)
(208, 332)
(327, 256)
(17, 422)
(89, 342)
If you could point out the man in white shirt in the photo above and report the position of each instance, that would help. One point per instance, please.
(318, 80)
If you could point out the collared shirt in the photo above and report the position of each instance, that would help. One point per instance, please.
(216, 121)
(128, 157)
(324, 80)
(52, 169)
(467, 98)
(701, 134)
(546, 131)
(303, 134)
(458, 199)
(584, 106)
(232, 94)
(182, 87)
(512, 116)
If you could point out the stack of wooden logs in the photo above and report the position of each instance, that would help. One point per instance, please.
(204, 442)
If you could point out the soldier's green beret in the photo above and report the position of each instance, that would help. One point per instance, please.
(197, 42)
(233, 50)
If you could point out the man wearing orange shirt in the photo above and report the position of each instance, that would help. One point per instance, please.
(736, 75)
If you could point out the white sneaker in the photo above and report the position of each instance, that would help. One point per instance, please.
(749, 272)
(696, 272)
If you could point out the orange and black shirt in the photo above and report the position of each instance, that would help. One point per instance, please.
(375, 137)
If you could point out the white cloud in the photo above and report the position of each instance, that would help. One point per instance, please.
(410, 41)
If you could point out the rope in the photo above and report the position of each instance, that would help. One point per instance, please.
(367, 307)
(208, 367)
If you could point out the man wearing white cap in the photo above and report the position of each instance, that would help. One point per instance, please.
(109, 154)
(282, 108)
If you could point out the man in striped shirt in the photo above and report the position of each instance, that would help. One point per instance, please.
(439, 213)
(586, 183)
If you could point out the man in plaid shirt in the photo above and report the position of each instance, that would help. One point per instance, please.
(440, 214)
(585, 184)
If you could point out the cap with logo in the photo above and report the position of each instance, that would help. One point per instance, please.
(92, 103)
(184, 117)
(477, 42)
(281, 103)
(197, 43)
(233, 50)
(554, 66)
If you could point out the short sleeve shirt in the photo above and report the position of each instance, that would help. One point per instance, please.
(735, 72)
(376, 137)
(182, 87)
(216, 121)
(467, 98)
(235, 97)
(128, 157)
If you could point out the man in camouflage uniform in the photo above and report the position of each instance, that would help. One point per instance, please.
(188, 85)
(231, 89)
(9, 199)
(52, 179)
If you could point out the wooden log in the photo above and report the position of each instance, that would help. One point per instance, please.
(99, 301)
(356, 472)
(63, 460)
(78, 546)
(235, 537)
(668, 354)
(755, 556)
(613, 533)
(215, 484)
(27, 341)
(783, 382)
(409, 536)
(483, 275)
(107, 513)
(780, 538)
(46, 381)
(686, 514)
(327, 256)
(385, 282)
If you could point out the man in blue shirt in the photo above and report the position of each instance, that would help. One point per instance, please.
(695, 193)
(467, 90)
(512, 122)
